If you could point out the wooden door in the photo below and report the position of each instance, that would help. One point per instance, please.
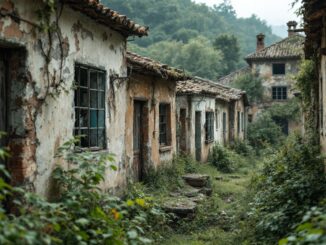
(183, 130)
(3, 98)
(198, 135)
(138, 137)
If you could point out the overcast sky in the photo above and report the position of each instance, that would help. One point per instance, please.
(275, 12)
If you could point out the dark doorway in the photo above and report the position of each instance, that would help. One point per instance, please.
(198, 135)
(3, 99)
(224, 128)
(138, 139)
(183, 130)
(283, 123)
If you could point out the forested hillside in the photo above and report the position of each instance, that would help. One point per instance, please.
(183, 34)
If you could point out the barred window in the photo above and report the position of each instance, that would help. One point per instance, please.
(280, 93)
(90, 107)
(164, 124)
(209, 126)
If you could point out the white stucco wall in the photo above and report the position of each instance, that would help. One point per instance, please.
(89, 43)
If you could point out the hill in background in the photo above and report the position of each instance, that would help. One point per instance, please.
(206, 41)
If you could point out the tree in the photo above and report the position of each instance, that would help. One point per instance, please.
(252, 84)
(229, 46)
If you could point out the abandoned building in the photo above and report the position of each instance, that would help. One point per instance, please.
(276, 65)
(62, 81)
(150, 115)
(208, 113)
(315, 49)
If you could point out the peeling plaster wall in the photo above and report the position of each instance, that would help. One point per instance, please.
(85, 42)
(151, 91)
(239, 107)
(265, 70)
(221, 107)
(323, 91)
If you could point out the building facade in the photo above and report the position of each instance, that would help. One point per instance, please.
(58, 84)
(276, 66)
(150, 116)
(208, 113)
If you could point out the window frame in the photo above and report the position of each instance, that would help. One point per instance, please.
(167, 125)
(278, 70)
(209, 126)
(89, 108)
(280, 93)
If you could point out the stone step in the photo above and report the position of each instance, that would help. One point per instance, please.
(180, 206)
(196, 180)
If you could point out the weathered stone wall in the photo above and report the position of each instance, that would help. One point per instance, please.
(39, 126)
(322, 88)
(152, 91)
(265, 72)
(222, 107)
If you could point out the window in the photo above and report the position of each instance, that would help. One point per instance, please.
(217, 119)
(165, 127)
(278, 69)
(242, 122)
(250, 118)
(224, 122)
(90, 107)
(280, 93)
(209, 126)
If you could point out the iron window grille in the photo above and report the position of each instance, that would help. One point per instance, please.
(209, 127)
(90, 107)
(279, 93)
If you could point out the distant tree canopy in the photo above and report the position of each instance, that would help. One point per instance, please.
(181, 23)
(252, 84)
(228, 44)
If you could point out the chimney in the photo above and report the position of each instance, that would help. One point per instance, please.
(260, 42)
(292, 26)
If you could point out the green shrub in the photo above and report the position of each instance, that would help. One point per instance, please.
(242, 148)
(292, 181)
(221, 158)
(311, 230)
(168, 176)
(264, 132)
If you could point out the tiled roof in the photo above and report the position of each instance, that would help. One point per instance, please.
(201, 86)
(108, 17)
(146, 65)
(290, 47)
(234, 75)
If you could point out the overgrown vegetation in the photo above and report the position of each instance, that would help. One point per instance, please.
(265, 131)
(82, 213)
(292, 181)
(252, 84)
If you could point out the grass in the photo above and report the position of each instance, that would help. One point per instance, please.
(219, 217)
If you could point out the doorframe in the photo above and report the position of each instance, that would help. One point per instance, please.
(198, 135)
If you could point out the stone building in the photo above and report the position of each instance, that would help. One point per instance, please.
(276, 65)
(63, 82)
(315, 49)
(208, 113)
(150, 115)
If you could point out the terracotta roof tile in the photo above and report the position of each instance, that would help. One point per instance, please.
(147, 65)
(290, 47)
(201, 86)
(108, 17)
(234, 75)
